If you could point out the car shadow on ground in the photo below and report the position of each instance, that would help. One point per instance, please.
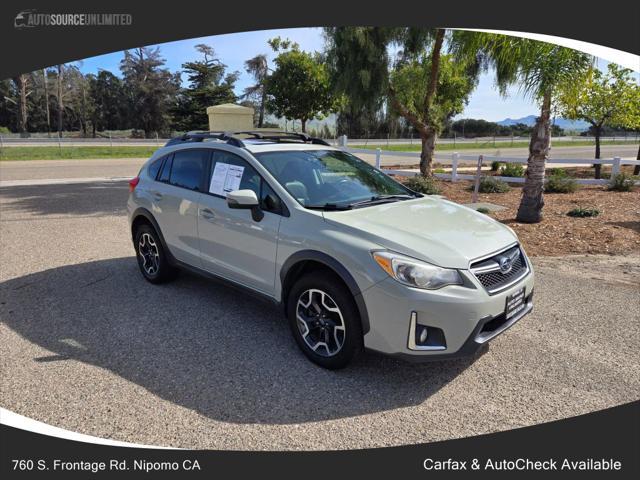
(78, 199)
(203, 346)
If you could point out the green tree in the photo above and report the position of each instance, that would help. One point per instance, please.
(361, 62)
(151, 89)
(299, 87)
(634, 116)
(7, 105)
(541, 70)
(410, 83)
(209, 85)
(110, 102)
(603, 99)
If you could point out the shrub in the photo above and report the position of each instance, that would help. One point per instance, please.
(512, 170)
(4, 130)
(484, 210)
(621, 182)
(495, 166)
(426, 185)
(559, 183)
(583, 212)
(558, 172)
(491, 185)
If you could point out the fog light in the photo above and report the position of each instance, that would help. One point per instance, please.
(423, 334)
(423, 337)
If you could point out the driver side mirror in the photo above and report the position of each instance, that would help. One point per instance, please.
(245, 199)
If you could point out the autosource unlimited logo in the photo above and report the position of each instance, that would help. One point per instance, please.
(31, 18)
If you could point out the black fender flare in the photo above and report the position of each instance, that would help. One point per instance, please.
(143, 212)
(334, 265)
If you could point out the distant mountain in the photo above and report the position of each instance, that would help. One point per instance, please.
(563, 123)
(571, 124)
(528, 120)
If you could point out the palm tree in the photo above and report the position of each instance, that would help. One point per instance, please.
(541, 70)
(259, 69)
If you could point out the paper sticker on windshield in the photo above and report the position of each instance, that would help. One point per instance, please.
(225, 178)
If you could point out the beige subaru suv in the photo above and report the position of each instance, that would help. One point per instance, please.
(357, 260)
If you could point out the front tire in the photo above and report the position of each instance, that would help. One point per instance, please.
(324, 320)
(152, 259)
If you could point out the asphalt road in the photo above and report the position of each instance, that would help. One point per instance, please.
(12, 172)
(81, 168)
(585, 152)
(89, 346)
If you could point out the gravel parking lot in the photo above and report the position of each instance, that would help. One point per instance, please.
(89, 346)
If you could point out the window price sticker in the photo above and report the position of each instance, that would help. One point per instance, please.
(226, 178)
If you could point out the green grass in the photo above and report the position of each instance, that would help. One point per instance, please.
(57, 153)
(415, 147)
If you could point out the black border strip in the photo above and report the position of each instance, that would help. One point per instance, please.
(611, 434)
(614, 24)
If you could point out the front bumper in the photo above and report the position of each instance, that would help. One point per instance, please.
(467, 315)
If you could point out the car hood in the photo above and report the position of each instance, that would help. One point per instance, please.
(429, 228)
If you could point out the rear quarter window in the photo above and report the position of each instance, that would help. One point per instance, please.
(154, 168)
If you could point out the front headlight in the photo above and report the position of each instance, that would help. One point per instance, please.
(415, 273)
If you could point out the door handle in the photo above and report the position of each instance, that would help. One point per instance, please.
(156, 195)
(207, 214)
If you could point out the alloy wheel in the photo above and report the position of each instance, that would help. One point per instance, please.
(320, 322)
(148, 251)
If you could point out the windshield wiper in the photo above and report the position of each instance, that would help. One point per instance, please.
(381, 199)
(329, 206)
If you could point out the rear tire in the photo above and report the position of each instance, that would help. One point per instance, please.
(152, 259)
(324, 320)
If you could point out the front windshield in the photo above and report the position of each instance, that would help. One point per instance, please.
(324, 178)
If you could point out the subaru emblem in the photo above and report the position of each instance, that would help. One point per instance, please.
(506, 264)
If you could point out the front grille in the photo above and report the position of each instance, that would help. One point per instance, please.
(488, 272)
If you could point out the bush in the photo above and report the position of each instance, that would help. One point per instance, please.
(583, 212)
(491, 185)
(426, 185)
(495, 166)
(439, 170)
(484, 210)
(512, 170)
(4, 130)
(621, 182)
(559, 183)
(558, 172)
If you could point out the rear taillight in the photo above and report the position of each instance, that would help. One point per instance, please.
(133, 183)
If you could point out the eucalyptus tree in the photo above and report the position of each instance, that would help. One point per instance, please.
(258, 68)
(358, 61)
(151, 89)
(541, 71)
(23, 87)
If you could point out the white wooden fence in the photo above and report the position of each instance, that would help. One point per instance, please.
(456, 159)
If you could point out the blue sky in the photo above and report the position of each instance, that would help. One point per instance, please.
(233, 49)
